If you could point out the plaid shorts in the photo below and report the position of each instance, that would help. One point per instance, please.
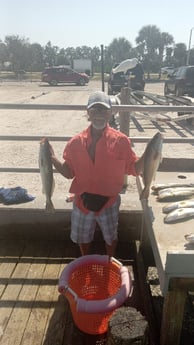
(83, 225)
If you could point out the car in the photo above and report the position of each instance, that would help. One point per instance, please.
(167, 70)
(61, 74)
(132, 76)
(181, 82)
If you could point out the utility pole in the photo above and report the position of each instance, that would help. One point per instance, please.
(189, 46)
(102, 66)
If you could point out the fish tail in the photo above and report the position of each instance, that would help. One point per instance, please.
(145, 193)
(49, 206)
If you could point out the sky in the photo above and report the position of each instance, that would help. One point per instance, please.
(91, 23)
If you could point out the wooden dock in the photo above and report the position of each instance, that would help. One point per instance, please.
(31, 309)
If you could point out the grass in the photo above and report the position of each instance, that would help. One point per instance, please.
(26, 76)
(36, 76)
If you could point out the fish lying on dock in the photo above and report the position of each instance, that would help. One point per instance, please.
(152, 160)
(46, 172)
(175, 194)
(178, 204)
(179, 214)
(160, 186)
(190, 238)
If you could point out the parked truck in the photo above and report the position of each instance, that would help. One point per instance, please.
(126, 73)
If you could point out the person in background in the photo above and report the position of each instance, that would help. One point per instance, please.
(97, 160)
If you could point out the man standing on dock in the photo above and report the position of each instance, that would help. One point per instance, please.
(97, 160)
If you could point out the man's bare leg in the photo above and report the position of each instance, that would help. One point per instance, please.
(110, 249)
(84, 248)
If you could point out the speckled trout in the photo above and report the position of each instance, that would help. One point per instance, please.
(46, 172)
(152, 160)
(175, 194)
(178, 204)
(179, 214)
(157, 187)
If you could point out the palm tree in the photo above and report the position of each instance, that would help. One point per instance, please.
(166, 40)
(119, 50)
(152, 44)
(180, 53)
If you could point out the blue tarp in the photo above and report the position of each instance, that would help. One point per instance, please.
(17, 195)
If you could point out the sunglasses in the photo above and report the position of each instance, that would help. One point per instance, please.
(99, 110)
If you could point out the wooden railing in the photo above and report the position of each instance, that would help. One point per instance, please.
(121, 109)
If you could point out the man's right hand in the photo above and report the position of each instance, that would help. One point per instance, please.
(52, 153)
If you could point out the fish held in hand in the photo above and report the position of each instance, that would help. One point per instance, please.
(152, 160)
(179, 214)
(46, 172)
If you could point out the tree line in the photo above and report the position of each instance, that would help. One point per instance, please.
(154, 49)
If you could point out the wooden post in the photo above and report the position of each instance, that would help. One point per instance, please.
(173, 311)
(124, 118)
(127, 326)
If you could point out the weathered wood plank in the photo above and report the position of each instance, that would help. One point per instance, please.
(146, 296)
(172, 320)
(59, 324)
(13, 333)
(9, 254)
(39, 318)
(60, 321)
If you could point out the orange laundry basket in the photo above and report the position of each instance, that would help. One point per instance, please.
(95, 285)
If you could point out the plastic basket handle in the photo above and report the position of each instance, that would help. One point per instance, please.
(115, 261)
(63, 289)
(73, 293)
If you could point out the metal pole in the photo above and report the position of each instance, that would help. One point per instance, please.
(189, 46)
(125, 120)
(102, 66)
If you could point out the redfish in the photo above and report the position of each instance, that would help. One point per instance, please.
(152, 160)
